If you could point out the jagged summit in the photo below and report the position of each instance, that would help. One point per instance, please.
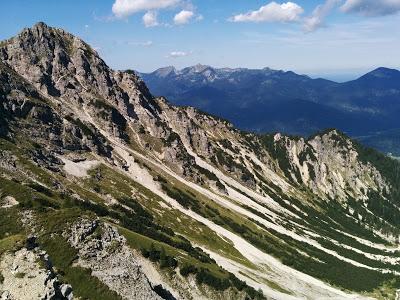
(42, 26)
(199, 68)
(61, 64)
(163, 72)
(41, 34)
(51, 57)
(330, 131)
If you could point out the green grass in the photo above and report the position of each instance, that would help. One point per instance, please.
(139, 242)
(20, 275)
(10, 223)
(108, 182)
(119, 185)
(11, 188)
(11, 243)
(29, 194)
(89, 287)
(205, 273)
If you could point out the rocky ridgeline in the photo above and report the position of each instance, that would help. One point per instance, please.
(103, 250)
(329, 165)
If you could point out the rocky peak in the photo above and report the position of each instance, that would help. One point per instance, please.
(328, 164)
(71, 74)
(166, 71)
(44, 41)
(207, 73)
(199, 68)
(56, 61)
(61, 65)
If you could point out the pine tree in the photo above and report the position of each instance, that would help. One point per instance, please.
(163, 258)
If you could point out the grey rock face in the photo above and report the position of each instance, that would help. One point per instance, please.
(24, 279)
(8, 161)
(329, 165)
(103, 250)
(5, 296)
(397, 295)
(72, 75)
(66, 291)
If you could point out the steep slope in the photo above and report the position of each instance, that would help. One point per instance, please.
(268, 100)
(130, 197)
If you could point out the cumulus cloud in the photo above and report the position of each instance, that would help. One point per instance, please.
(272, 12)
(183, 17)
(317, 18)
(150, 19)
(371, 8)
(124, 8)
(177, 54)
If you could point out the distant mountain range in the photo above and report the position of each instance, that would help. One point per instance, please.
(267, 100)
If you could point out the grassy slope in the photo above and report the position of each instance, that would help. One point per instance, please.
(283, 247)
(53, 214)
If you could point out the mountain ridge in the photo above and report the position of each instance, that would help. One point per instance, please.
(377, 72)
(259, 100)
(97, 174)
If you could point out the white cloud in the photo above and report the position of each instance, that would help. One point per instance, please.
(142, 44)
(371, 8)
(124, 8)
(183, 17)
(177, 54)
(272, 12)
(317, 18)
(150, 19)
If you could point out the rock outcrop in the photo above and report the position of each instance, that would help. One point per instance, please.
(329, 165)
(104, 251)
(28, 274)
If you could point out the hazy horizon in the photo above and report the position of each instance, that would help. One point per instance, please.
(334, 39)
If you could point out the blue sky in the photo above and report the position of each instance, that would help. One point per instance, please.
(331, 38)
